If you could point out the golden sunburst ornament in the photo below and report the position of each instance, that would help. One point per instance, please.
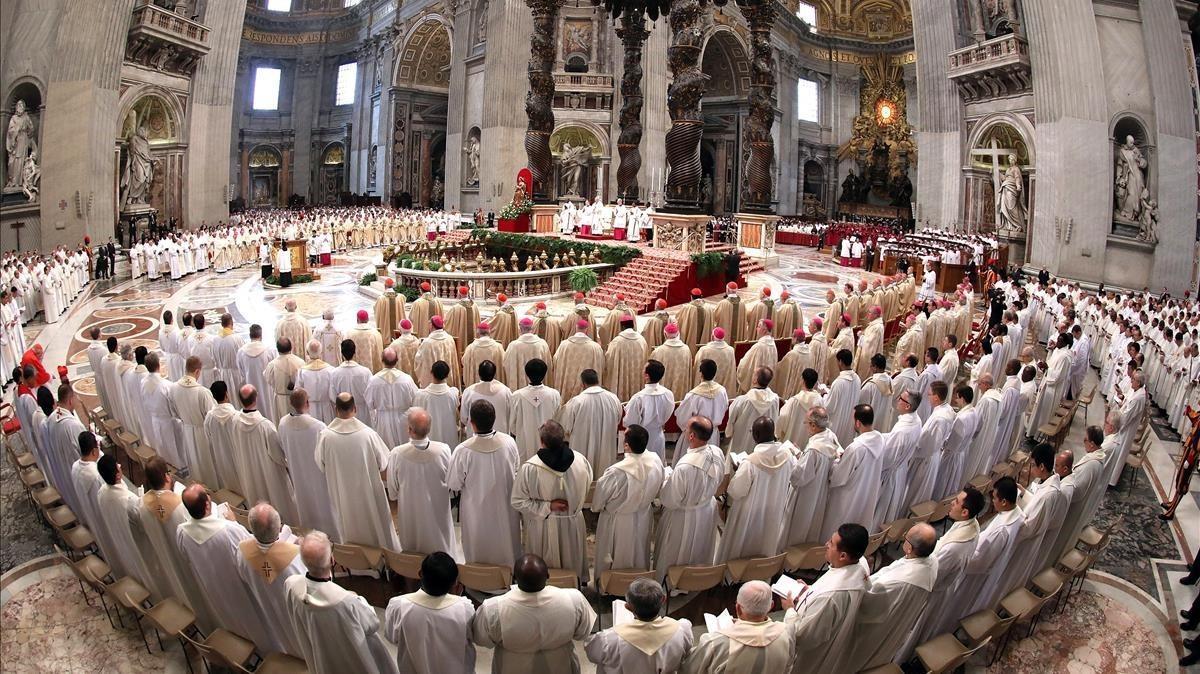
(885, 112)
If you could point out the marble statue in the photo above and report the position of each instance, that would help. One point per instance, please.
(472, 150)
(1130, 181)
(30, 176)
(139, 171)
(1149, 219)
(483, 21)
(574, 158)
(1010, 207)
(18, 142)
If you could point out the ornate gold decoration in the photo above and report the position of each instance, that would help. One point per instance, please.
(576, 136)
(883, 115)
(335, 155)
(264, 156)
(879, 20)
(425, 59)
(156, 114)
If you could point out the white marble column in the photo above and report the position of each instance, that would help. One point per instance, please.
(938, 113)
(656, 121)
(505, 85)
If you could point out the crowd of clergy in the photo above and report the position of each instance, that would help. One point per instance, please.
(251, 238)
(617, 221)
(517, 424)
(36, 282)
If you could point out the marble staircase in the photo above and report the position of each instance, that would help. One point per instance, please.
(642, 281)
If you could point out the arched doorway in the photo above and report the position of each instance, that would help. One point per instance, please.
(160, 117)
(1001, 161)
(419, 96)
(724, 107)
(26, 136)
(579, 160)
(263, 164)
(332, 173)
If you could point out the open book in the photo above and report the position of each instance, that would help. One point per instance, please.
(788, 586)
(715, 623)
(620, 613)
(738, 457)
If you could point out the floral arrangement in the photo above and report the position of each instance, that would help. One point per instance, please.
(513, 211)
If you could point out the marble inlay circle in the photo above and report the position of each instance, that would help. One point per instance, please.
(123, 312)
(85, 386)
(221, 283)
(132, 326)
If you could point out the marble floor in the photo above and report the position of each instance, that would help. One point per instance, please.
(1124, 620)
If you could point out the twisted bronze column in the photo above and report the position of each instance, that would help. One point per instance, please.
(633, 36)
(539, 100)
(760, 15)
(683, 103)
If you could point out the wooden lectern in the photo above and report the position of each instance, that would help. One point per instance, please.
(299, 251)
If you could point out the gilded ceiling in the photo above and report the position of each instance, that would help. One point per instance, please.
(877, 20)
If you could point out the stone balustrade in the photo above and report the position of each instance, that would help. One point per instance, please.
(992, 68)
(522, 285)
(162, 39)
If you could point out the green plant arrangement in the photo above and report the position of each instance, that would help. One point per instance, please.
(410, 294)
(614, 255)
(708, 264)
(368, 279)
(583, 280)
(273, 280)
(514, 211)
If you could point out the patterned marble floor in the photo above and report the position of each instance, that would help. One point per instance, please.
(1125, 620)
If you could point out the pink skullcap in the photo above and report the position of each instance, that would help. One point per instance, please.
(425, 286)
(846, 317)
(798, 333)
(696, 292)
(362, 315)
(620, 297)
(731, 286)
(875, 311)
(768, 324)
(582, 324)
(389, 282)
(483, 326)
(660, 303)
(784, 295)
(671, 329)
(718, 333)
(626, 316)
(437, 322)
(462, 291)
(818, 322)
(406, 324)
(540, 305)
(766, 291)
(578, 297)
(526, 322)
(501, 298)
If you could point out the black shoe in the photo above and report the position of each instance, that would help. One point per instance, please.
(1189, 579)
(1189, 659)
(1185, 614)
(1189, 626)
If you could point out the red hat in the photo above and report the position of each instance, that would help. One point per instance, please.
(818, 322)
(425, 286)
(462, 291)
(660, 303)
(582, 324)
(406, 324)
(784, 295)
(437, 322)
(389, 282)
(362, 315)
(578, 297)
(696, 292)
(718, 333)
(766, 291)
(875, 311)
(846, 317)
(731, 286)
(768, 324)
(671, 329)
(626, 316)
(798, 333)
(501, 298)
(540, 305)
(620, 297)
(483, 326)
(526, 322)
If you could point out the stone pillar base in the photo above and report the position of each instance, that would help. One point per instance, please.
(756, 237)
(679, 231)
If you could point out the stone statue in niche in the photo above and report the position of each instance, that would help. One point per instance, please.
(18, 143)
(574, 158)
(577, 38)
(851, 187)
(472, 151)
(139, 171)
(1010, 206)
(1149, 219)
(31, 176)
(483, 21)
(1130, 181)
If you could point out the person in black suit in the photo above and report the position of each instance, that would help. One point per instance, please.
(111, 250)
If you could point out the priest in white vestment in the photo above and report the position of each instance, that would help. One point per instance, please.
(707, 399)
(202, 347)
(389, 394)
(260, 460)
(1132, 412)
(280, 377)
(548, 491)
(753, 643)
(950, 476)
(416, 481)
(805, 510)
(438, 346)
(899, 445)
(649, 643)
(520, 351)
(298, 433)
(164, 431)
(1054, 383)
(1045, 505)
(762, 353)
(265, 563)
(687, 530)
(870, 344)
(131, 381)
(431, 627)
(62, 429)
(877, 392)
(252, 361)
(486, 387)
(315, 378)
(651, 408)
(760, 401)
(531, 627)
(676, 357)
(843, 396)
(191, 402)
(793, 418)
(720, 352)
(590, 420)
(117, 508)
(87, 481)
(350, 377)
(337, 629)
(225, 349)
(330, 339)
(293, 326)
(218, 428)
(622, 498)
(209, 541)
(854, 477)
(756, 494)
(440, 400)
(984, 574)
(625, 360)
(354, 458)
(531, 406)
(895, 599)
(923, 468)
(1085, 485)
(483, 348)
(825, 614)
(575, 354)
(482, 470)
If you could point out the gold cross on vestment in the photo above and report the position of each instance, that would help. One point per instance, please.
(267, 570)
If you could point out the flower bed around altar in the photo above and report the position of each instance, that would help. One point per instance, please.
(525, 244)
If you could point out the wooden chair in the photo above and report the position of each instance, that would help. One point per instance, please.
(1026, 606)
(1092, 538)
(1048, 581)
(756, 568)
(1085, 399)
(695, 578)
(125, 591)
(353, 557)
(564, 578)
(616, 582)
(404, 564)
(805, 557)
(485, 577)
(944, 653)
